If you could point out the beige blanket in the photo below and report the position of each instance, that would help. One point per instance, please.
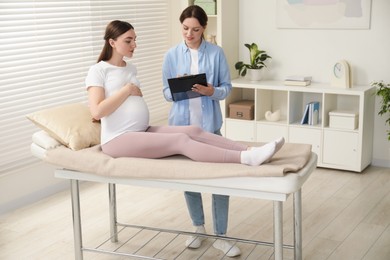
(291, 158)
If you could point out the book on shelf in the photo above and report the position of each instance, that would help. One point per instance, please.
(314, 112)
(305, 117)
(297, 82)
(311, 113)
(298, 78)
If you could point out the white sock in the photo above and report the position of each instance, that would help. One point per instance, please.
(258, 155)
(279, 143)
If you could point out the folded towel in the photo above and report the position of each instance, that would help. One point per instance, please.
(290, 159)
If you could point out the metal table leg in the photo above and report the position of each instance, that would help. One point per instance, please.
(113, 212)
(278, 230)
(298, 225)
(75, 197)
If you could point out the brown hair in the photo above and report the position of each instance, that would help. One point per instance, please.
(195, 11)
(113, 30)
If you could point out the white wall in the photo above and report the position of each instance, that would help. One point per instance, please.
(176, 8)
(314, 51)
(28, 185)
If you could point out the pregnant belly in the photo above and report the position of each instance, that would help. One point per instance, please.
(132, 115)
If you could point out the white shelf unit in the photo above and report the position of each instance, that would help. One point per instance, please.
(342, 149)
(224, 25)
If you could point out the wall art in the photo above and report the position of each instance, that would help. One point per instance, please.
(323, 14)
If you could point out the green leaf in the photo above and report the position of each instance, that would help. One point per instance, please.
(383, 91)
(256, 59)
(239, 65)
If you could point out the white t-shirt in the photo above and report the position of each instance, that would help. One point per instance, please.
(195, 104)
(133, 114)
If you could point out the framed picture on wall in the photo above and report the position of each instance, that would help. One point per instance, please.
(323, 14)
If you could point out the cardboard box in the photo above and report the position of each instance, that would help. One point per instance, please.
(243, 109)
(343, 119)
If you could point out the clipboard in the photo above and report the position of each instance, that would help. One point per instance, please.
(181, 87)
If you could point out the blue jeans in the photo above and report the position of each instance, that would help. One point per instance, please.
(220, 209)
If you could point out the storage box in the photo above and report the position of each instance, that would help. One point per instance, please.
(243, 109)
(209, 6)
(343, 119)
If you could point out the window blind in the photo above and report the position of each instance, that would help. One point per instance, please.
(46, 49)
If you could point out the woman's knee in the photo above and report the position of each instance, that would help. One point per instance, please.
(181, 138)
(194, 130)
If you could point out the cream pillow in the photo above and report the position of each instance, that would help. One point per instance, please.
(71, 125)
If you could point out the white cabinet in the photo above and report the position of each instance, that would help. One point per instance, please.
(241, 130)
(224, 25)
(341, 148)
(338, 148)
(266, 132)
(297, 134)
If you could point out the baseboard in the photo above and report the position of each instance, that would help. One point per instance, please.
(381, 163)
(28, 185)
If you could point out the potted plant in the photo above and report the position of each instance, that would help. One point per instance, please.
(383, 91)
(257, 59)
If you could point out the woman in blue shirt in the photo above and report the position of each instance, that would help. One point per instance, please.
(195, 55)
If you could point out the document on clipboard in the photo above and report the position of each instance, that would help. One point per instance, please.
(181, 87)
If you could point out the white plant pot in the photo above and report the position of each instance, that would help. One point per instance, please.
(255, 74)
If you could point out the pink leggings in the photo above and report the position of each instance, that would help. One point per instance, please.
(163, 141)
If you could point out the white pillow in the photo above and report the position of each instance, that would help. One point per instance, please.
(71, 125)
(44, 140)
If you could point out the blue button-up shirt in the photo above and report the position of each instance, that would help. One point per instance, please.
(212, 61)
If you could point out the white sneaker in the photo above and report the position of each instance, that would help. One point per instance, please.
(227, 247)
(195, 241)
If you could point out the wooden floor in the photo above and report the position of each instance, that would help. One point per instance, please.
(345, 216)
